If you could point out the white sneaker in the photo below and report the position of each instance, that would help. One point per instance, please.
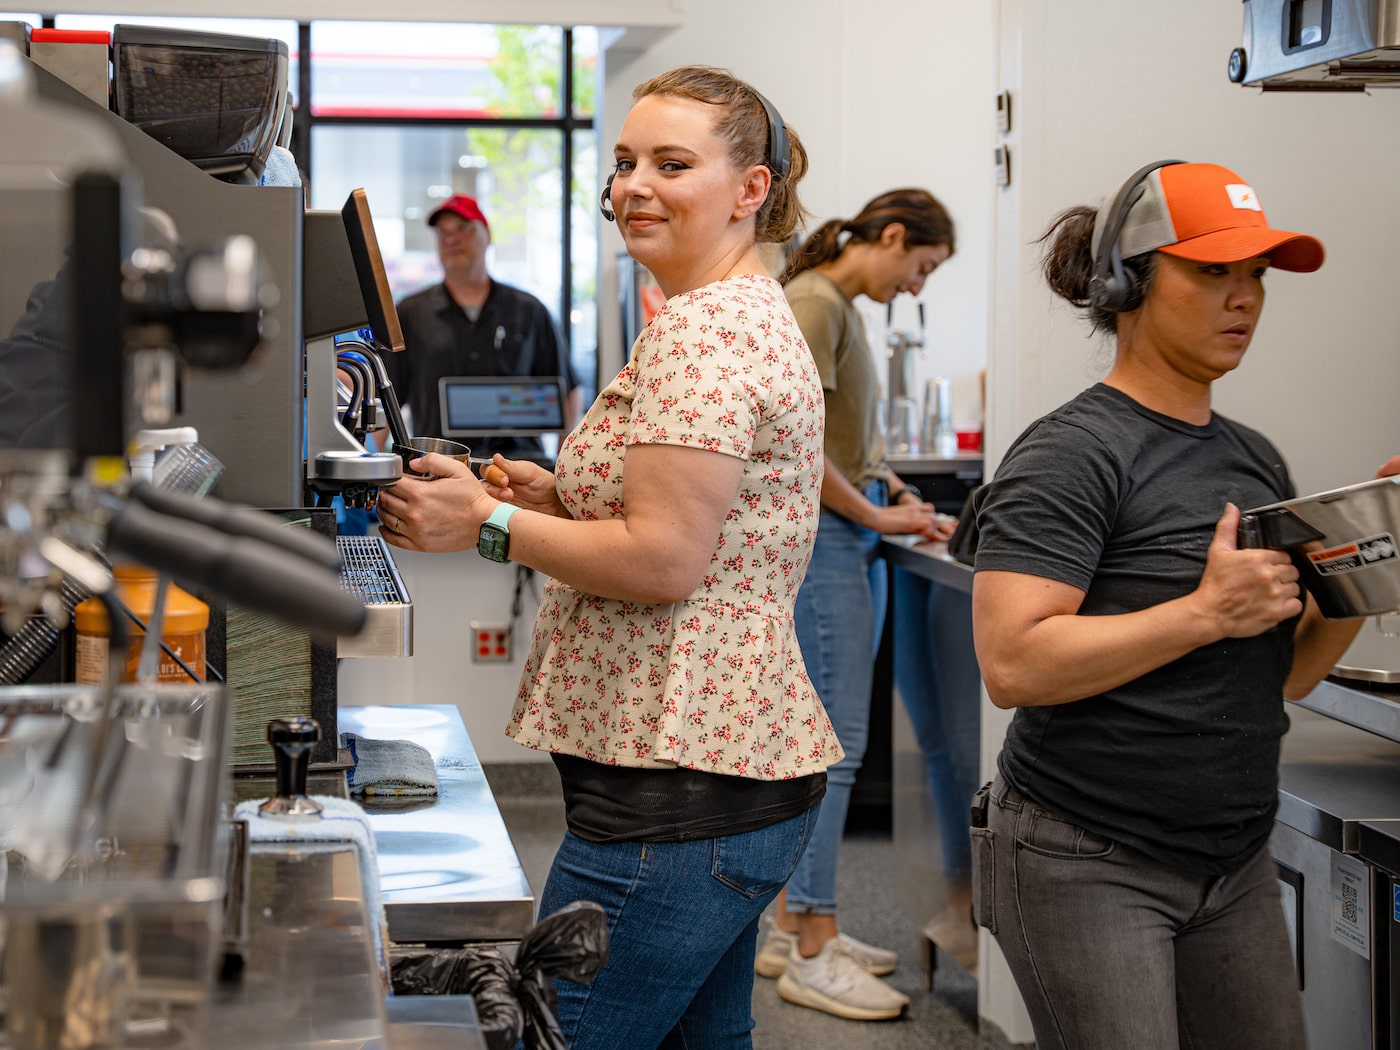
(834, 981)
(772, 957)
(878, 961)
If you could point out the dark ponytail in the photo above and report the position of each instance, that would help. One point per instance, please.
(1067, 262)
(925, 222)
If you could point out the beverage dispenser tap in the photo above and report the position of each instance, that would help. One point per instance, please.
(292, 739)
(902, 426)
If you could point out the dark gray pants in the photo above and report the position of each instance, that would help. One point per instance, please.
(1113, 950)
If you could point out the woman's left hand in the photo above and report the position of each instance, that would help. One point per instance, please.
(1389, 469)
(442, 513)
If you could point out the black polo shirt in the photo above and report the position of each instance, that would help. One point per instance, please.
(514, 335)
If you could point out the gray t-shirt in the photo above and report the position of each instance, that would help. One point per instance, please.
(1110, 497)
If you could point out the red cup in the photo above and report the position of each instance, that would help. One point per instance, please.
(969, 440)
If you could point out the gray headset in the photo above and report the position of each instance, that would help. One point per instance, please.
(1114, 287)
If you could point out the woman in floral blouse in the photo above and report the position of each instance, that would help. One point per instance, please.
(665, 676)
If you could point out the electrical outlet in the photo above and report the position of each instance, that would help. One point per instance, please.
(490, 643)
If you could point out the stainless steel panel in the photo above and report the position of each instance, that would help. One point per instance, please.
(252, 420)
(1353, 47)
(371, 574)
(447, 870)
(1336, 981)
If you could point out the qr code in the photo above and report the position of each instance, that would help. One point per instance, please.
(1349, 902)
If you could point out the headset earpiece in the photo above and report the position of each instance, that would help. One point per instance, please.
(605, 201)
(1113, 286)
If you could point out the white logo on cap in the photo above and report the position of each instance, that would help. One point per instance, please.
(1242, 196)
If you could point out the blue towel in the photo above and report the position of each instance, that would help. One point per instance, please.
(341, 821)
(281, 169)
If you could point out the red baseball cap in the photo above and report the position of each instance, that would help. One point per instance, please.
(1207, 213)
(460, 204)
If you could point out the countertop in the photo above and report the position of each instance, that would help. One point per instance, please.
(930, 560)
(964, 463)
(448, 871)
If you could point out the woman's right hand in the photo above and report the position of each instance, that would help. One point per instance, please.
(907, 517)
(1248, 591)
(523, 483)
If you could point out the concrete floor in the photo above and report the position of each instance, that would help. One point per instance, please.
(946, 1018)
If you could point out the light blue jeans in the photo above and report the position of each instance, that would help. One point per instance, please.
(683, 922)
(935, 670)
(839, 615)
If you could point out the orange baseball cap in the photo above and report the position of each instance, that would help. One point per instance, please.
(460, 204)
(1207, 213)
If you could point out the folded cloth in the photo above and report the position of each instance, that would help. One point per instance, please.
(281, 168)
(340, 821)
(389, 767)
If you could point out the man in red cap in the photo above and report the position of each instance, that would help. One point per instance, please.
(472, 325)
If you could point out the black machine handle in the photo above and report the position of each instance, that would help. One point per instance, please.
(240, 521)
(292, 740)
(1278, 529)
(267, 579)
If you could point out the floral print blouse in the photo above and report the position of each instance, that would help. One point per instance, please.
(716, 682)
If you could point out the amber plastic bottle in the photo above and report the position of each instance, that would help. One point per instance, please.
(183, 628)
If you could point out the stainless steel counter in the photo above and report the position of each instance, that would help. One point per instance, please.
(967, 463)
(448, 871)
(930, 560)
(1376, 710)
(1332, 777)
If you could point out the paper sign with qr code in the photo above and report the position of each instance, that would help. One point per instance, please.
(1351, 905)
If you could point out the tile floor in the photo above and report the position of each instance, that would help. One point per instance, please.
(944, 1019)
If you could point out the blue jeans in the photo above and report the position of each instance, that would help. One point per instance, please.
(839, 615)
(935, 670)
(1111, 948)
(683, 921)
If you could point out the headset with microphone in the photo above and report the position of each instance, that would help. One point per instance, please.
(1113, 286)
(778, 160)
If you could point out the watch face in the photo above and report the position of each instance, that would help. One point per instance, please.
(493, 542)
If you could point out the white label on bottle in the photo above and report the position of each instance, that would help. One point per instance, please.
(90, 659)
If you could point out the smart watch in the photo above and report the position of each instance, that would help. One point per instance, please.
(493, 542)
(909, 488)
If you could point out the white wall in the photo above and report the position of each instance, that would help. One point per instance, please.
(882, 94)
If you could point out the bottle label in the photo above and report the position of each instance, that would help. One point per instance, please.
(90, 658)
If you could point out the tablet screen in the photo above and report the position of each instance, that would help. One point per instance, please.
(487, 405)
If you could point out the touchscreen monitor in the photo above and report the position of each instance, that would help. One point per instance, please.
(475, 406)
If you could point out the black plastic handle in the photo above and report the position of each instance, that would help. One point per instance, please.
(234, 520)
(265, 579)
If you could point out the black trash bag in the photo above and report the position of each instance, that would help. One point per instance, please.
(481, 972)
(572, 944)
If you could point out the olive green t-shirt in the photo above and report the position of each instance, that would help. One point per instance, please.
(835, 334)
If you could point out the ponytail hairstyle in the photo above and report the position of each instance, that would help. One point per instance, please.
(925, 221)
(1067, 262)
(742, 121)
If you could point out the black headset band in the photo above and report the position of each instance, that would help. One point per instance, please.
(779, 157)
(1107, 260)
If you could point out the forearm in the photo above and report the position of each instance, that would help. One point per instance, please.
(1318, 644)
(1067, 657)
(608, 558)
(841, 497)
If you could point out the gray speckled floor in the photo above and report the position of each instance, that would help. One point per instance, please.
(945, 1019)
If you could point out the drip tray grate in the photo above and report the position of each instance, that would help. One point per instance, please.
(369, 573)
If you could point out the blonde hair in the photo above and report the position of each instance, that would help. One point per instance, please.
(742, 122)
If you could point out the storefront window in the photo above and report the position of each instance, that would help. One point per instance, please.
(585, 71)
(389, 69)
(21, 16)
